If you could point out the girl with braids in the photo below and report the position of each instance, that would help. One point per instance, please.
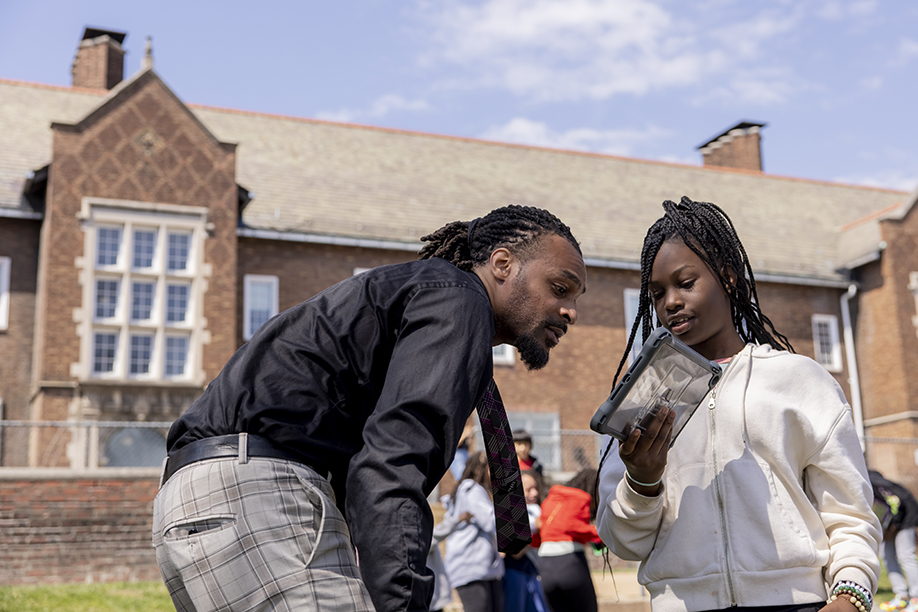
(473, 564)
(763, 503)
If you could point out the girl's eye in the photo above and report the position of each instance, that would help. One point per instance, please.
(656, 295)
(688, 284)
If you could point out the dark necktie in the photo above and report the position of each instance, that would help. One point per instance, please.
(506, 486)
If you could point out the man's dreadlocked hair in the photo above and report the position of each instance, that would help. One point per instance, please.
(707, 230)
(513, 227)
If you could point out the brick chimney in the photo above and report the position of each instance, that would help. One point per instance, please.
(738, 147)
(99, 62)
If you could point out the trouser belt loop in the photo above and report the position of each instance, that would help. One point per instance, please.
(243, 448)
(162, 474)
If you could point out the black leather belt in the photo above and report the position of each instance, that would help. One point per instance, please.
(219, 447)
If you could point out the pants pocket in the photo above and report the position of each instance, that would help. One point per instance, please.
(197, 526)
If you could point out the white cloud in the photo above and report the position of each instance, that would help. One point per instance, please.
(886, 179)
(898, 169)
(871, 83)
(611, 142)
(908, 49)
(761, 88)
(596, 49)
(381, 107)
(835, 10)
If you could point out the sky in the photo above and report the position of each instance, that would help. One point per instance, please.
(836, 81)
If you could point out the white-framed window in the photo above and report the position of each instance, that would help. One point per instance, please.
(632, 300)
(108, 246)
(178, 252)
(143, 298)
(826, 343)
(177, 296)
(176, 361)
(141, 356)
(108, 290)
(5, 266)
(104, 351)
(504, 354)
(545, 429)
(143, 276)
(144, 247)
(260, 302)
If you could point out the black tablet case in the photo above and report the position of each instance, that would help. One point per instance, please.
(666, 372)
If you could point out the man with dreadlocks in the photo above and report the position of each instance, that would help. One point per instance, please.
(331, 426)
(763, 503)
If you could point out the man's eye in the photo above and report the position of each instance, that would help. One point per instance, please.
(560, 289)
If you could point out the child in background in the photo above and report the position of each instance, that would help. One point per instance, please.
(473, 564)
(565, 534)
(522, 583)
(764, 498)
(522, 441)
(898, 518)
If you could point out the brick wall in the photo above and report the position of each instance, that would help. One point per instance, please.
(57, 527)
(19, 242)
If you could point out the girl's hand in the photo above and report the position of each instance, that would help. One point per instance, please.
(841, 604)
(644, 454)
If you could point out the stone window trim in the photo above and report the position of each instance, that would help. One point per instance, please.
(5, 266)
(503, 355)
(826, 342)
(164, 219)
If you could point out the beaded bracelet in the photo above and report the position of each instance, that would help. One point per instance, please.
(860, 597)
(643, 484)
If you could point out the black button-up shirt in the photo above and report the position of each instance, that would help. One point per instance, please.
(372, 379)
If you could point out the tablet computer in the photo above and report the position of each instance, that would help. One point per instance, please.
(665, 373)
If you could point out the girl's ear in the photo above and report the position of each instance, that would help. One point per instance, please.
(730, 274)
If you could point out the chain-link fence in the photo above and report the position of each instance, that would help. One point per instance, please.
(83, 444)
(99, 444)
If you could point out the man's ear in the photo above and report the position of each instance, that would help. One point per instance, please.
(502, 263)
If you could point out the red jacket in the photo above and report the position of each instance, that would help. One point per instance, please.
(566, 517)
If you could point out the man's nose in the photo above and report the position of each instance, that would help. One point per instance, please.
(570, 314)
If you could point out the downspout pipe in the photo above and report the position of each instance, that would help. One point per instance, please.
(853, 378)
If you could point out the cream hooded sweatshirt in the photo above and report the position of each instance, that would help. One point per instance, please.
(765, 500)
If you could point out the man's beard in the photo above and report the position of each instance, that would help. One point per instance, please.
(532, 352)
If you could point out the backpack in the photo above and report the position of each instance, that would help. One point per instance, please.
(886, 506)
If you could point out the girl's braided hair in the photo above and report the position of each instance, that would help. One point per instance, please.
(513, 227)
(707, 230)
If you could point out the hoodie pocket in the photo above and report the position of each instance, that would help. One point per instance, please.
(690, 541)
(766, 530)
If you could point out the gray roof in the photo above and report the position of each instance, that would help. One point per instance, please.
(338, 180)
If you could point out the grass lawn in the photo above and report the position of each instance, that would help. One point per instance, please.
(134, 597)
(111, 597)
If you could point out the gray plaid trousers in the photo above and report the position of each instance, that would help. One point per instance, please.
(262, 535)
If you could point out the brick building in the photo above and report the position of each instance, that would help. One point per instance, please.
(143, 239)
